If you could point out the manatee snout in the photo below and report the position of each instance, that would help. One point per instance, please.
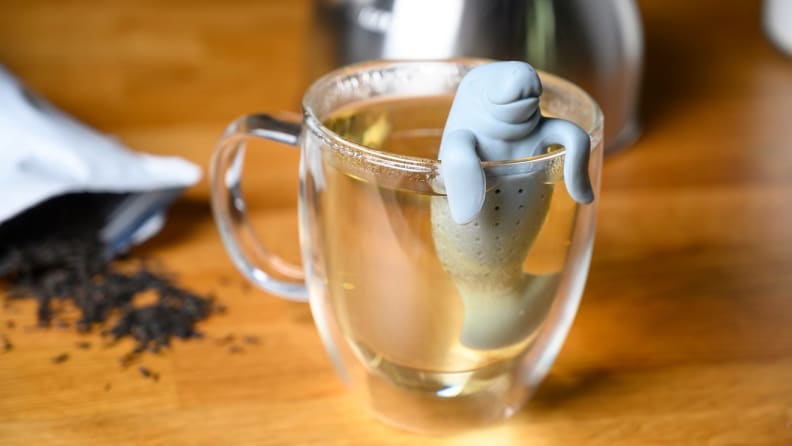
(517, 81)
(516, 112)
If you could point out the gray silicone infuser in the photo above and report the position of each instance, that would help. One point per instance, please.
(483, 232)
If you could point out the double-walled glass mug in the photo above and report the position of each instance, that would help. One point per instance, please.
(389, 311)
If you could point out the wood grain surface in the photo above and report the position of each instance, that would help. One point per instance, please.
(683, 337)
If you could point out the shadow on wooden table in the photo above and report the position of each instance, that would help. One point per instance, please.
(559, 390)
(186, 216)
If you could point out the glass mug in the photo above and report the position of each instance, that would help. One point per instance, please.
(387, 311)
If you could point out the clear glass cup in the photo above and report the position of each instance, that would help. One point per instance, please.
(388, 310)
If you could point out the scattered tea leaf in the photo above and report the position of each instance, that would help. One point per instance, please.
(236, 349)
(129, 358)
(7, 345)
(63, 357)
(62, 324)
(252, 340)
(74, 272)
(225, 340)
(148, 373)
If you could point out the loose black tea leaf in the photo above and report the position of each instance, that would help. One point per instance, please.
(63, 357)
(51, 254)
(61, 272)
(251, 340)
(225, 340)
(148, 373)
(236, 349)
(129, 358)
(219, 309)
(62, 324)
(6, 344)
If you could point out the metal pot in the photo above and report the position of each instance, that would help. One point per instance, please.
(596, 44)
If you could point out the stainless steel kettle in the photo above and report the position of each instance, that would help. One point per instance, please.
(596, 44)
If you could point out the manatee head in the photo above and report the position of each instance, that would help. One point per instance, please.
(507, 93)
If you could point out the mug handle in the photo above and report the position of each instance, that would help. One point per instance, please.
(249, 255)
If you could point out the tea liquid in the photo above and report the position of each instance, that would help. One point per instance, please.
(398, 309)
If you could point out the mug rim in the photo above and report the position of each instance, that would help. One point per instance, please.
(422, 164)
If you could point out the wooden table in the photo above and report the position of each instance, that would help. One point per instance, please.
(684, 333)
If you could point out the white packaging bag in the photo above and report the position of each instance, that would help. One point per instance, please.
(45, 154)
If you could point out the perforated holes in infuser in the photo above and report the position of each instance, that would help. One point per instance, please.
(519, 191)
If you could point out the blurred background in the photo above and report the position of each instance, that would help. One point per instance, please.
(166, 76)
(134, 63)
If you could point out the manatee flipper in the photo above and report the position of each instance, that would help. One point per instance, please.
(577, 147)
(462, 175)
